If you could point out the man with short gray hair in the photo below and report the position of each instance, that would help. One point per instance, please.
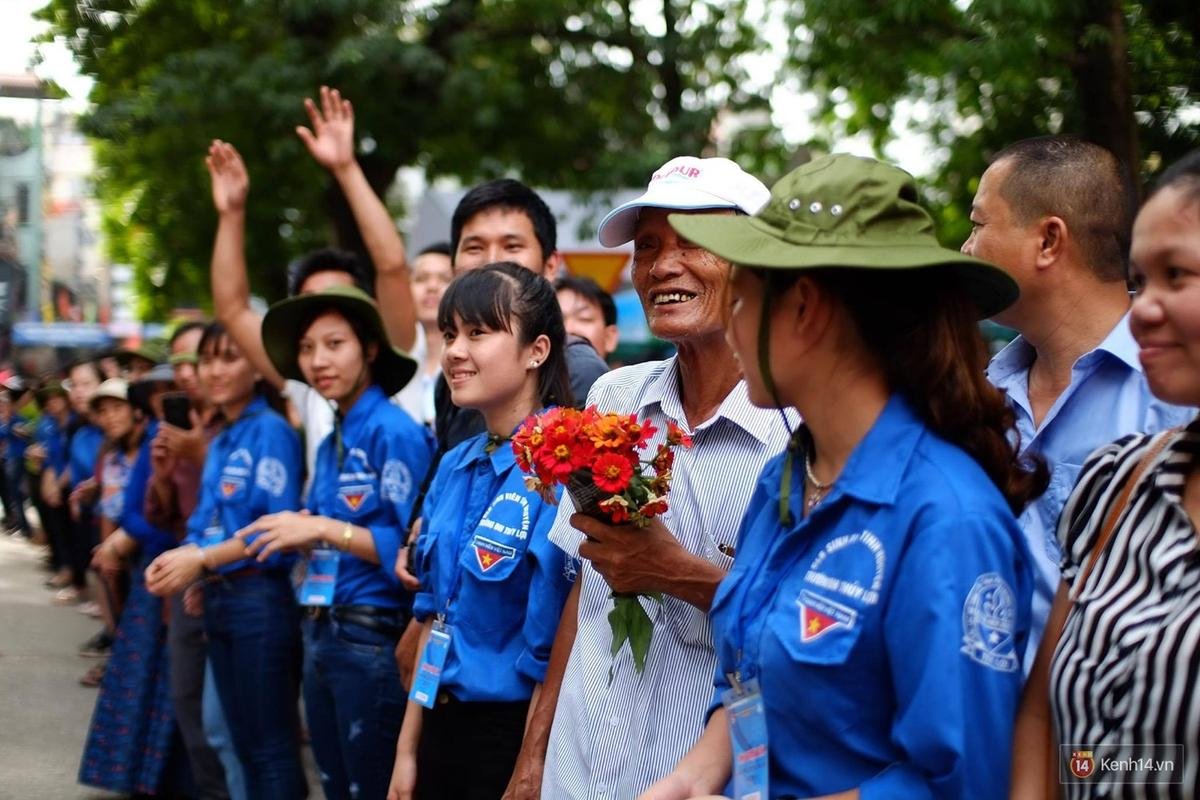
(615, 730)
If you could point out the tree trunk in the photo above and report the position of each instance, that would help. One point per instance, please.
(1104, 79)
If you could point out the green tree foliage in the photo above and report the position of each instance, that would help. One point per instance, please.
(990, 72)
(574, 94)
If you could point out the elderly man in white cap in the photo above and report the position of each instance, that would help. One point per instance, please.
(600, 727)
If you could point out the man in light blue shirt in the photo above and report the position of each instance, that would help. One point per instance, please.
(1055, 213)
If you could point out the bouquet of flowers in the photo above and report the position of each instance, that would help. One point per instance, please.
(599, 458)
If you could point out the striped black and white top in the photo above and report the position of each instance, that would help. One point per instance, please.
(612, 740)
(1126, 672)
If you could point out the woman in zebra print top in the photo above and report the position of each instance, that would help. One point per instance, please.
(1124, 679)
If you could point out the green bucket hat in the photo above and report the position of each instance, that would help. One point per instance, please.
(851, 212)
(393, 368)
(48, 390)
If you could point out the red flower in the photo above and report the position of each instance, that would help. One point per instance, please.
(639, 433)
(675, 435)
(617, 508)
(611, 473)
(557, 460)
(653, 507)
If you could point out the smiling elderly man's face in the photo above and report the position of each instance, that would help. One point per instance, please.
(684, 288)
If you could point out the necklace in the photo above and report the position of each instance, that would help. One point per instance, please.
(819, 490)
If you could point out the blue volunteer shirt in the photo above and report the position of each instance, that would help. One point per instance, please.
(486, 562)
(84, 452)
(887, 628)
(1108, 398)
(252, 469)
(153, 539)
(16, 435)
(53, 437)
(384, 455)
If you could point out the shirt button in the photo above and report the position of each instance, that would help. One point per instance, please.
(615, 721)
(602, 789)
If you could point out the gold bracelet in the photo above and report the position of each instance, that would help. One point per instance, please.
(347, 535)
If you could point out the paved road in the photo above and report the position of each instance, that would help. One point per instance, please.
(44, 712)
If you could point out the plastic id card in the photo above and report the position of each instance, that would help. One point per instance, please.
(748, 733)
(320, 580)
(429, 669)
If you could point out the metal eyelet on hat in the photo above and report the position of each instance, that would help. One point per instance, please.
(794, 203)
(835, 210)
(815, 207)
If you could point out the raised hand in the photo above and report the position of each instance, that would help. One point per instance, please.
(230, 181)
(331, 140)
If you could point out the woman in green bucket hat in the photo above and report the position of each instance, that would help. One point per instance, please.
(870, 633)
(364, 483)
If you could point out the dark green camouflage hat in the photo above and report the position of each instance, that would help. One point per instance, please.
(843, 211)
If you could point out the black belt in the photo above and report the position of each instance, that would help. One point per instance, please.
(388, 621)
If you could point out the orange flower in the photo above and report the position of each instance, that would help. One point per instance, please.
(664, 459)
(611, 473)
(608, 433)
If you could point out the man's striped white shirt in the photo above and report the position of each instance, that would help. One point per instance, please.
(612, 740)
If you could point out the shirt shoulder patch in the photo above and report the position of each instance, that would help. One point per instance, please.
(396, 481)
(989, 622)
(271, 476)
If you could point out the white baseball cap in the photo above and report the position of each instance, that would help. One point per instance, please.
(687, 183)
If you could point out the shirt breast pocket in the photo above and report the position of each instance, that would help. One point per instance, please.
(821, 631)
(357, 501)
(489, 560)
(1062, 482)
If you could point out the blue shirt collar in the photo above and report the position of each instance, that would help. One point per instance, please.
(364, 408)
(736, 407)
(502, 458)
(876, 466)
(255, 406)
(1018, 354)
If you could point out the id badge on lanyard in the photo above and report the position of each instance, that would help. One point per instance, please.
(429, 668)
(748, 735)
(320, 579)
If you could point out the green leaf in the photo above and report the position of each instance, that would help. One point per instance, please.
(629, 622)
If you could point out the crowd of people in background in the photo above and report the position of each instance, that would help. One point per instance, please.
(892, 566)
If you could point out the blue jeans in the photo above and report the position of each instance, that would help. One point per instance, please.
(216, 732)
(354, 704)
(253, 627)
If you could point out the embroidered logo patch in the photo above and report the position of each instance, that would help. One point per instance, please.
(354, 496)
(489, 553)
(396, 481)
(508, 515)
(989, 622)
(820, 615)
(271, 476)
(230, 486)
(851, 565)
